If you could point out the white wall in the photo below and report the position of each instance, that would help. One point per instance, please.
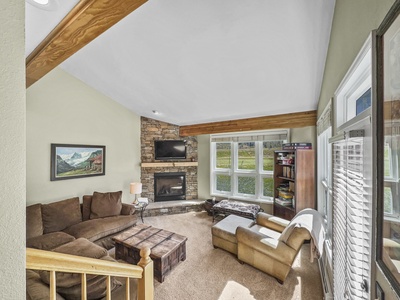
(62, 109)
(12, 150)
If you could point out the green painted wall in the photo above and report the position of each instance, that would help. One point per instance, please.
(353, 21)
(62, 109)
(203, 175)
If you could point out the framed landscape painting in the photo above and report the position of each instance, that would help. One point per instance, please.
(76, 161)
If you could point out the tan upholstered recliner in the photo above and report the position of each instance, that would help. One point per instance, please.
(271, 244)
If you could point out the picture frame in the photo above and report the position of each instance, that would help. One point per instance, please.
(71, 161)
(388, 137)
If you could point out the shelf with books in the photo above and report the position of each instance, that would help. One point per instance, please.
(286, 178)
(293, 182)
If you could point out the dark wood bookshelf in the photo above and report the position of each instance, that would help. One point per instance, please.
(300, 180)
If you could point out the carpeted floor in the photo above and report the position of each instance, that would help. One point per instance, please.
(214, 274)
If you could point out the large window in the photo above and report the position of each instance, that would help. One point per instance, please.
(242, 164)
(352, 226)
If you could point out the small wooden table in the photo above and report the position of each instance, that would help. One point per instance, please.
(167, 248)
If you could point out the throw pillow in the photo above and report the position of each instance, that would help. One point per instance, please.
(49, 241)
(96, 286)
(79, 247)
(36, 288)
(69, 284)
(86, 204)
(60, 215)
(82, 247)
(106, 204)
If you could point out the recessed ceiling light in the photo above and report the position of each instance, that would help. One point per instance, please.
(44, 4)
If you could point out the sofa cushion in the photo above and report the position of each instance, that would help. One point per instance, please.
(99, 228)
(82, 247)
(68, 284)
(266, 231)
(36, 288)
(49, 241)
(226, 228)
(61, 214)
(79, 247)
(105, 204)
(34, 224)
(96, 286)
(128, 209)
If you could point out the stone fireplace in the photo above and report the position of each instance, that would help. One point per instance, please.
(156, 130)
(169, 186)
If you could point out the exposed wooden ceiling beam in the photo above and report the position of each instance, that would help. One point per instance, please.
(86, 21)
(292, 120)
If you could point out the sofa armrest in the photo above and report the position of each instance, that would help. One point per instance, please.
(127, 209)
(266, 245)
(272, 222)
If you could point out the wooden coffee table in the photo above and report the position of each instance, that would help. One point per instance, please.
(167, 248)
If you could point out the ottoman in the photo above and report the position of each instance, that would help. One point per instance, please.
(227, 207)
(224, 232)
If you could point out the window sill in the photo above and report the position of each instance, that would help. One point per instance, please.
(253, 200)
(391, 219)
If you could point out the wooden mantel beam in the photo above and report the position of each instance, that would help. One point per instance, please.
(292, 120)
(86, 21)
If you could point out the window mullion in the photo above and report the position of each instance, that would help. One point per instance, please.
(234, 167)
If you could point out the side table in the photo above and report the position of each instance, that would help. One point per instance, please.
(141, 206)
(208, 205)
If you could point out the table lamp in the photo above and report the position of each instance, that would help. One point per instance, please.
(136, 188)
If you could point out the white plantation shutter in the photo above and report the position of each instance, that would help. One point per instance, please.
(351, 220)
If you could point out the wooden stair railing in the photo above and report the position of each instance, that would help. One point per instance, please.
(60, 262)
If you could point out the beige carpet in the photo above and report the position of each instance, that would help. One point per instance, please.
(214, 274)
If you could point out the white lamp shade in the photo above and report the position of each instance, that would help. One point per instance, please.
(136, 188)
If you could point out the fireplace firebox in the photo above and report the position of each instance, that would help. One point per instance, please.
(169, 186)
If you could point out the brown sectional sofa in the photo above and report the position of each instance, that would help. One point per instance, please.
(80, 229)
(54, 224)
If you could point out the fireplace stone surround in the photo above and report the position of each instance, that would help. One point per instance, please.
(156, 130)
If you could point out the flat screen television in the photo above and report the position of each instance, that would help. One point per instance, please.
(169, 149)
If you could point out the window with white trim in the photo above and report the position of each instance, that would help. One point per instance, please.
(352, 228)
(324, 170)
(242, 164)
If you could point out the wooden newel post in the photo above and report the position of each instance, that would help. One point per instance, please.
(146, 283)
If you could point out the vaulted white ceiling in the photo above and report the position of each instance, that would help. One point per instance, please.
(201, 61)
